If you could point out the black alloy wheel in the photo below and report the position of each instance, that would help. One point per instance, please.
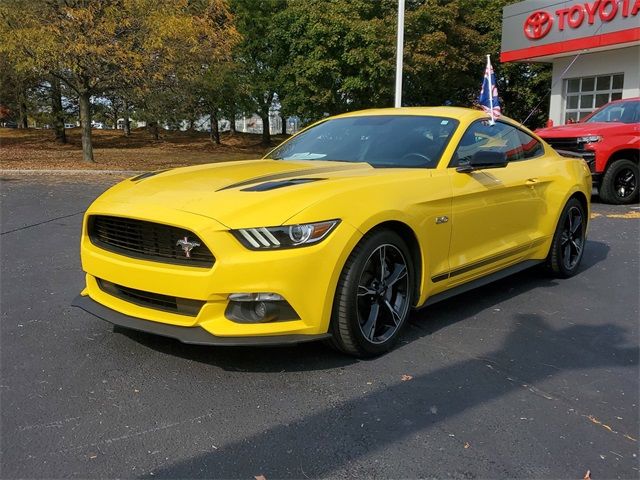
(572, 238)
(383, 297)
(374, 295)
(620, 183)
(567, 247)
(625, 183)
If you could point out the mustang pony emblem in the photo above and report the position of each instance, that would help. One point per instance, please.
(187, 246)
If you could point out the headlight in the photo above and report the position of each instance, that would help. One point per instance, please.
(589, 139)
(286, 236)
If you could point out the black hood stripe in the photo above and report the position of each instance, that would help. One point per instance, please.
(264, 187)
(289, 174)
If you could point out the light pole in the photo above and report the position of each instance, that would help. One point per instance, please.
(399, 50)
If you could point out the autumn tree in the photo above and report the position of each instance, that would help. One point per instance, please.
(523, 86)
(57, 112)
(94, 47)
(15, 88)
(222, 90)
(161, 104)
(444, 56)
(258, 55)
(340, 55)
(446, 44)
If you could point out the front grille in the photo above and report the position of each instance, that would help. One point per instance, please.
(570, 144)
(147, 240)
(182, 306)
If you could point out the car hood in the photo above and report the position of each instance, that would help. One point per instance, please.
(579, 129)
(242, 193)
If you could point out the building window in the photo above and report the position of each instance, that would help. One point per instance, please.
(584, 95)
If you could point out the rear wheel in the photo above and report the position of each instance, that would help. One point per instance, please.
(569, 240)
(620, 183)
(373, 297)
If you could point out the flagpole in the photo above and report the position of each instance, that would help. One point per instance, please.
(493, 120)
(399, 53)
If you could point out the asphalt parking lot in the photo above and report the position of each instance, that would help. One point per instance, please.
(529, 377)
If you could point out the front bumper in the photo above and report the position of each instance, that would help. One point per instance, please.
(305, 277)
(192, 335)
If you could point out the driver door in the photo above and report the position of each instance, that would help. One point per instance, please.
(495, 211)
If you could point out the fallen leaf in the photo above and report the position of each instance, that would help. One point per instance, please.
(587, 476)
(406, 378)
(260, 477)
(624, 215)
(466, 445)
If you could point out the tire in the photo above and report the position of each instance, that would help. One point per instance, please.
(620, 183)
(569, 239)
(372, 304)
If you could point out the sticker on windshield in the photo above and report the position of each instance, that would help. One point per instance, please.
(444, 122)
(305, 156)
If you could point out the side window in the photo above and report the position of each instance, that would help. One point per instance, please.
(531, 148)
(481, 135)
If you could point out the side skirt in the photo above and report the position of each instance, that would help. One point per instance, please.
(480, 282)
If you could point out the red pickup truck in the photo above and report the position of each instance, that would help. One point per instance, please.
(609, 141)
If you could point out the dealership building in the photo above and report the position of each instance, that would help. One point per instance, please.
(594, 47)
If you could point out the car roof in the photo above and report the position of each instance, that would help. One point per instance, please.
(458, 113)
(453, 112)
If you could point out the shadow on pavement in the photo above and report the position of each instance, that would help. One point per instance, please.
(469, 304)
(317, 356)
(327, 440)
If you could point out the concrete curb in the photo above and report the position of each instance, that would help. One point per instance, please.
(70, 172)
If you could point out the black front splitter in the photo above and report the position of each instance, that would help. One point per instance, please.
(190, 335)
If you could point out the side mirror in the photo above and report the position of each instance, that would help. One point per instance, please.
(483, 159)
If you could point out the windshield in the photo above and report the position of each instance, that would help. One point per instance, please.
(381, 141)
(624, 112)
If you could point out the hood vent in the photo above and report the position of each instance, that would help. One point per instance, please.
(264, 187)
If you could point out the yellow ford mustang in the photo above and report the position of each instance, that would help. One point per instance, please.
(337, 233)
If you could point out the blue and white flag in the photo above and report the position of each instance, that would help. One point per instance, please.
(488, 98)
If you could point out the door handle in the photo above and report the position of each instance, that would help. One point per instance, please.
(531, 181)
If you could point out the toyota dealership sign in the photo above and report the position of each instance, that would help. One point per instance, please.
(539, 28)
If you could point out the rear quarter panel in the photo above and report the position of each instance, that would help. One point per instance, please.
(567, 177)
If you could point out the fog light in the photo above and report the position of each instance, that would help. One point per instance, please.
(259, 308)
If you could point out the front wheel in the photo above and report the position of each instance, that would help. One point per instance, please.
(569, 240)
(620, 183)
(373, 297)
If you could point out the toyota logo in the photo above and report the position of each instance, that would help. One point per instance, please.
(537, 25)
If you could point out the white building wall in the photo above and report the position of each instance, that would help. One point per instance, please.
(620, 60)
